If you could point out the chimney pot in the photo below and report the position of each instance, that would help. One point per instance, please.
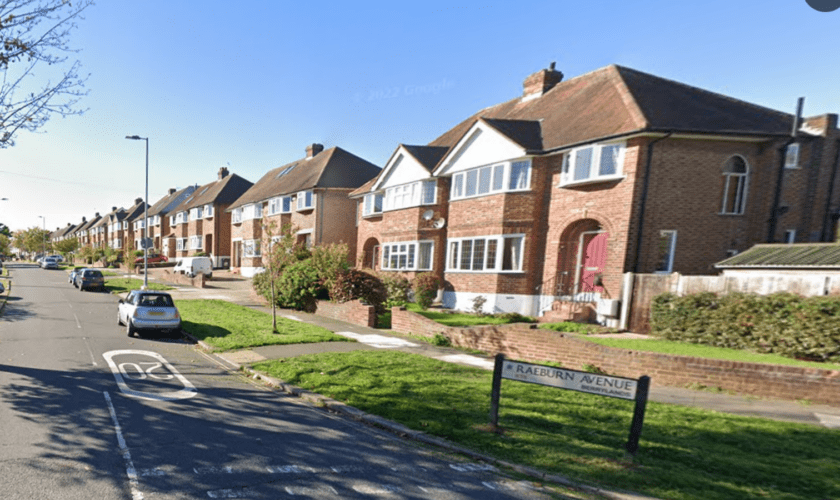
(223, 172)
(138, 201)
(172, 190)
(313, 149)
(541, 82)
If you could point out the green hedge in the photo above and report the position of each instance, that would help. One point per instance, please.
(782, 323)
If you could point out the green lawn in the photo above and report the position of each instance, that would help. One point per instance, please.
(227, 326)
(685, 453)
(122, 285)
(457, 318)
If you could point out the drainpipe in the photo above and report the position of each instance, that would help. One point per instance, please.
(777, 195)
(825, 229)
(645, 188)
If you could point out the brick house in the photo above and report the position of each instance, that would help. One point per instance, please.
(158, 215)
(125, 235)
(310, 194)
(555, 194)
(201, 223)
(85, 232)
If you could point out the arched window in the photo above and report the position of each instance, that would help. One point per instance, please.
(735, 173)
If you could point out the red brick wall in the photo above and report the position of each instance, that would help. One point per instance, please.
(352, 312)
(336, 219)
(536, 345)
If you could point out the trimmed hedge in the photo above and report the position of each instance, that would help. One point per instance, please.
(781, 323)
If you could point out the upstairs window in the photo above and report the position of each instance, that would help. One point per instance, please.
(236, 215)
(491, 179)
(413, 194)
(735, 176)
(792, 156)
(196, 213)
(598, 162)
(373, 204)
(251, 211)
(305, 200)
(208, 210)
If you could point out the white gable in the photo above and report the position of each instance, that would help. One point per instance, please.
(482, 145)
(401, 169)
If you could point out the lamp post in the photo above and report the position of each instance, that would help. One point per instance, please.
(145, 214)
(45, 234)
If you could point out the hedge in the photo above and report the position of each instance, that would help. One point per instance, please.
(781, 323)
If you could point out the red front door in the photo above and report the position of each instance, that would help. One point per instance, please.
(593, 259)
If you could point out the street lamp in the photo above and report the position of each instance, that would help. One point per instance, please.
(145, 214)
(45, 234)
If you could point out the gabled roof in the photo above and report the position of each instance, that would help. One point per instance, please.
(616, 101)
(221, 191)
(332, 168)
(135, 211)
(784, 255)
(164, 205)
(426, 156)
(68, 229)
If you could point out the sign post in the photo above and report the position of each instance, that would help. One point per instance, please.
(575, 380)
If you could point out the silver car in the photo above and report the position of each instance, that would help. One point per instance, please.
(148, 310)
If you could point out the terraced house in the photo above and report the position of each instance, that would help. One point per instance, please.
(201, 224)
(540, 204)
(158, 215)
(310, 194)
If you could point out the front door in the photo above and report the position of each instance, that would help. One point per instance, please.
(591, 260)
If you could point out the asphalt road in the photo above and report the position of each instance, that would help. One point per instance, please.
(88, 412)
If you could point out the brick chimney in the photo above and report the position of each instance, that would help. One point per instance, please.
(313, 149)
(138, 201)
(541, 82)
(113, 209)
(223, 172)
(172, 190)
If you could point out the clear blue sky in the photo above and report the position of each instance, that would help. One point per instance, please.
(249, 84)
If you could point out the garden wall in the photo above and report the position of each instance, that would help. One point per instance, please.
(524, 342)
(352, 312)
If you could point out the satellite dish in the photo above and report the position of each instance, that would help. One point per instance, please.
(439, 223)
(428, 214)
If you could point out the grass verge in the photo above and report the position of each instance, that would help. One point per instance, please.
(457, 318)
(122, 285)
(227, 326)
(685, 453)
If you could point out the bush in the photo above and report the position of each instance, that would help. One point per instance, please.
(397, 287)
(353, 284)
(297, 287)
(781, 323)
(425, 289)
(329, 261)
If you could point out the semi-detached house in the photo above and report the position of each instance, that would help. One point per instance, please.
(540, 204)
(310, 195)
(158, 216)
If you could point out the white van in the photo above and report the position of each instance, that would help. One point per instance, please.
(193, 266)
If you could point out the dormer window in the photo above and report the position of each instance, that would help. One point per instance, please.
(373, 204)
(594, 163)
(305, 200)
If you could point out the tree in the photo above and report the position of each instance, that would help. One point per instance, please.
(32, 240)
(278, 255)
(5, 244)
(66, 247)
(34, 34)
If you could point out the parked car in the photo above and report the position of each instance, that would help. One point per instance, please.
(2, 288)
(49, 263)
(57, 257)
(152, 259)
(72, 278)
(148, 310)
(193, 266)
(89, 278)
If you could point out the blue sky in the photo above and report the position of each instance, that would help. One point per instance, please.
(249, 84)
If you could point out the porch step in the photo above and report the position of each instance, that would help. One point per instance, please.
(561, 310)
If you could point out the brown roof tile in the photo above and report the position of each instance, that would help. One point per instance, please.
(775, 255)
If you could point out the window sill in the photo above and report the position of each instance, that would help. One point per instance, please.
(597, 180)
(491, 271)
(730, 214)
(372, 216)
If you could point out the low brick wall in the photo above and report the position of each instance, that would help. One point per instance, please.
(522, 342)
(166, 275)
(352, 312)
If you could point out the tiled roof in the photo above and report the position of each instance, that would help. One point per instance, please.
(616, 101)
(332, 168)
(221, 191)
(160, 207)
(427, 156)
(781, 255)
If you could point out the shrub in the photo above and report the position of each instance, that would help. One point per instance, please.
(329, 261)
(297, 286)
(353, 284)
(397, 287)
(440, 340)
(478, 305)
(425, 289)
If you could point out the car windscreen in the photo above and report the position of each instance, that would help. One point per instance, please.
(151, 300)
(93, 274)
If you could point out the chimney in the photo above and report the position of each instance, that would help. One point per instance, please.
(138, 201)
(172, 190)
(541, 82)
(313, 149)
(223, 172)
(113, 209)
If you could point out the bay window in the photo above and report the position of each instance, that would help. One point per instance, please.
(491, 179)
(413, 194)
(592, 163)
(408, 256)
(251, 248)
(486, 253)
(373, 204)
(280, 205)
(195, 242)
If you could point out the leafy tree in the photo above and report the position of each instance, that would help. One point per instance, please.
(32, 240)
(5, 244)
(34, 34)
(67, 246)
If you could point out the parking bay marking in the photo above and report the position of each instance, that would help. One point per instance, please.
(144, 370)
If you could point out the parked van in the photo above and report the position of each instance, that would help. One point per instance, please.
(193, 266)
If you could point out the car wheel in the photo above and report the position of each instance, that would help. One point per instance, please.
(129, 328)
(81, 288)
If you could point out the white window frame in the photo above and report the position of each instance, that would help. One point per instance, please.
(742, 179)
(275, 205)
(792, 155)
(489, 179)
(790, 236)
(494, 246)
(172, 221)
(181, 244)
(252, 211)
(196, 242)
(571, 158)
(302, 199)
(208, 210)
(409, 195)
(670, 237)
(181, 217)
(406, 255)
(251, 249)
(236, 215)
(372, 204)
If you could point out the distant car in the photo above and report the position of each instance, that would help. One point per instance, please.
(89, 278)
(152, 259)
(49, 263)
(57, 257)
(193, 266)
(148, 310)
(72, 278)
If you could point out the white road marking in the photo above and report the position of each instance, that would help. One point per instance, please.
(156, 472)
(379, 341)
(92, 357)
(227, 494)
(290, 469)
(378, 489)
(472, 467)
(213, 470)
(136, 494)
(468, 360)
(302, 490)
(187, 392)
(830, 421)
(78, 325)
